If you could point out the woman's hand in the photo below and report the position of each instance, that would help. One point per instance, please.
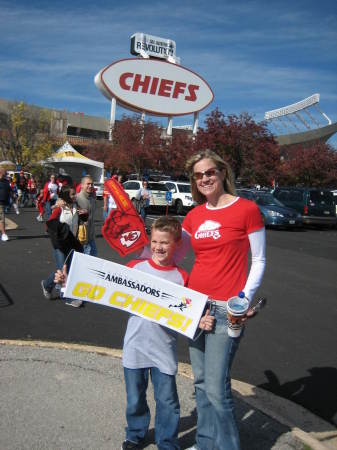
(207, 321)
(61, 276)
(250, 313)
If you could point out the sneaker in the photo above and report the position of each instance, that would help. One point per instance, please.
(39, 218)
(46, 293)
(74, 303)
(128, 445)
(194, 447)
(17, 211)
(4, 237)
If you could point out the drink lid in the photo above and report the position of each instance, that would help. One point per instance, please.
(238, 305)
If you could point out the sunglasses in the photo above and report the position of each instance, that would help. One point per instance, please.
(208, 173)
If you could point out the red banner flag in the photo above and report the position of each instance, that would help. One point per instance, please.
(123, 229)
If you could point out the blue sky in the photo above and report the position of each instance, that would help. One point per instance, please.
(256, 55)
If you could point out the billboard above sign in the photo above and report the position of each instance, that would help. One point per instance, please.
(152, 45)
(157, 87)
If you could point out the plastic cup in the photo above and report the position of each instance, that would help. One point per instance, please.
(236, 310)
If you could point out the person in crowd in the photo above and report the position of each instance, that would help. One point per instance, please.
(87, 203)
(144, 341)
(5, 193)
(40, 206)
(32, 190)
(50, 190)
(221, 230)
(62, 227)
(21, 183)
(143, 197)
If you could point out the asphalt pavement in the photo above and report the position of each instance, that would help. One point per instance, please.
(55, 395)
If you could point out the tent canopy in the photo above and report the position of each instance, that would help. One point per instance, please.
(68, 161)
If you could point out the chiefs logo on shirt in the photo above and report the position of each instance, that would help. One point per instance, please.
(208, 229)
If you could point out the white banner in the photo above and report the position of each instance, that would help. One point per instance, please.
(106, 283)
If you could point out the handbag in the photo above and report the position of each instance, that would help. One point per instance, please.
(82, 233)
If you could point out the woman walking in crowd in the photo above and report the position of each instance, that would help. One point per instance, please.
(32, 190)
(144, 196)
(50, 194)
(62, 227)
(221, 230)
(40, 206)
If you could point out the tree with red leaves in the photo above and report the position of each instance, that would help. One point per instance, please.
(248, 147)
(138, 143)
(176, 150)
(315, 165)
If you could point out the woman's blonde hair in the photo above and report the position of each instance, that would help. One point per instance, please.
(223, 166)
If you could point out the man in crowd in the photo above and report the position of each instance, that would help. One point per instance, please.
(5, 192)
(86, 201)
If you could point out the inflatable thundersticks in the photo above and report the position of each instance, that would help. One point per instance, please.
(123, 229)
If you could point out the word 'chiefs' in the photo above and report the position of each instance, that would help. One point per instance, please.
(134, 304)
(157, 86)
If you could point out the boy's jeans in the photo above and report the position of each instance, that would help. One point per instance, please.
(167, 407)
(211, 357)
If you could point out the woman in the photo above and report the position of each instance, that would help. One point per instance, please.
(143, 196)
(221, 230)
(62, 227)
(32, 190)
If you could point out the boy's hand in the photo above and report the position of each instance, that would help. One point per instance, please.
(61, 276)
(206, 322)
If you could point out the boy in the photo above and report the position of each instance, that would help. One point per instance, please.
(150, 348)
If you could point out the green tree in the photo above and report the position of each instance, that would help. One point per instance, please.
(25, 134)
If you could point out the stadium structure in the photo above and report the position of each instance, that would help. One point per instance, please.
(300, 123)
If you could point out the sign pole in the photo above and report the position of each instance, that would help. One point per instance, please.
(112, 117)
(195, 123)
(169, 126)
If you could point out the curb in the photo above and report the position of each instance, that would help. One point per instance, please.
(297, 418)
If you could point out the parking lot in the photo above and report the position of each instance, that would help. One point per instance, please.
(289, 348)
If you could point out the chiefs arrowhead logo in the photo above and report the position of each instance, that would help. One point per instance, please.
(129, 238)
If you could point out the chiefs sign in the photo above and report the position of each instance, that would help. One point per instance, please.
(157, 87)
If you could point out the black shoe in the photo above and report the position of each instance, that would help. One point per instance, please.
(128, 445)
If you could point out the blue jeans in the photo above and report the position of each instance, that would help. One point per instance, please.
(48, 206)
(167, 407)
(211, 358)
(49, 283)
(60, 258)
(90, 248)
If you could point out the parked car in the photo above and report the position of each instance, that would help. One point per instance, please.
(158, 191)
(317, 206)
(334, 193)
(99, 189)
(181, 195)
(273, 212)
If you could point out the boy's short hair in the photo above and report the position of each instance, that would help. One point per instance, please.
(169, 224)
